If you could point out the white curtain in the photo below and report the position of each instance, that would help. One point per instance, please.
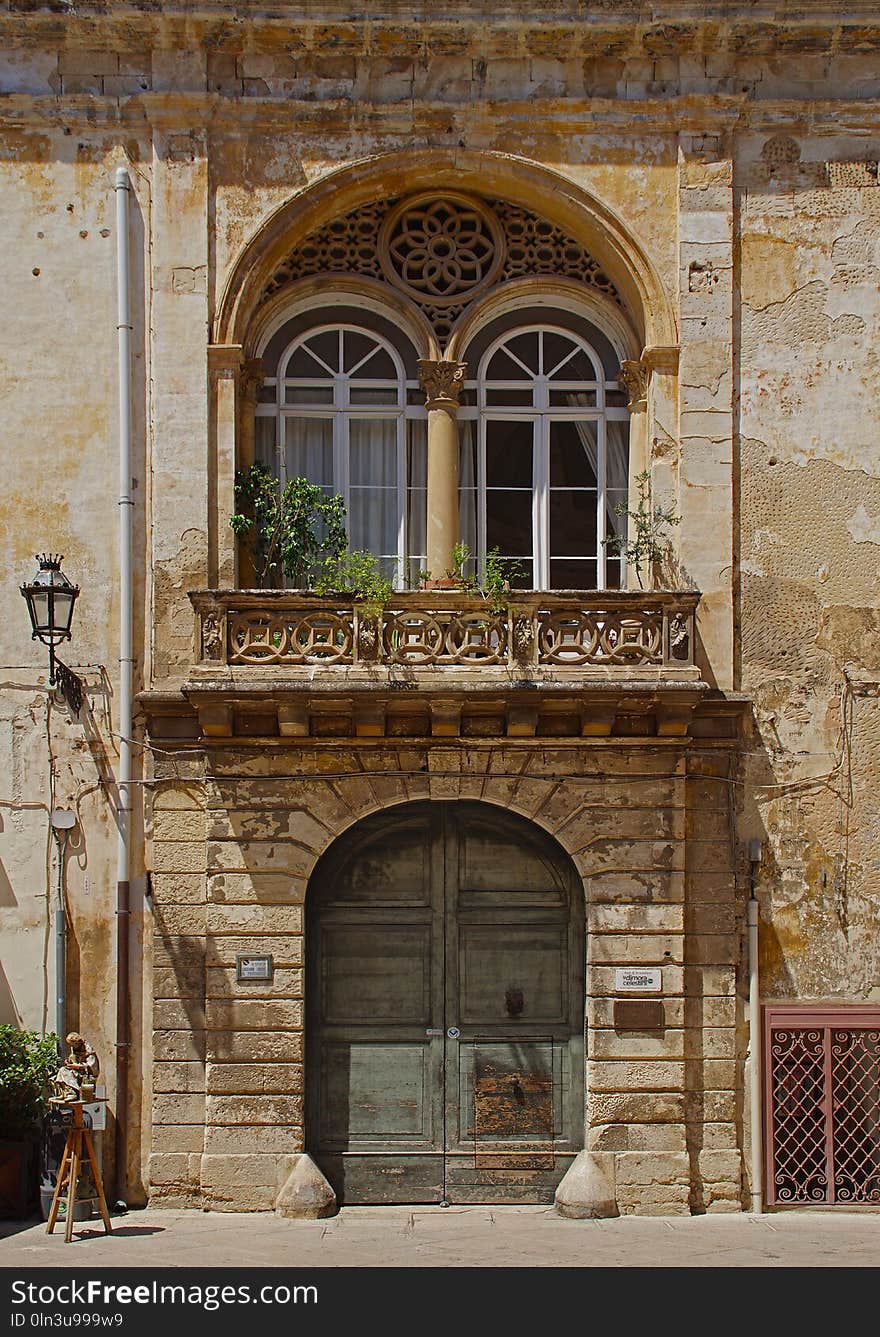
(265, 450)
(308, 450)
(616, 457)
(373, 509)
(617, 469)
(416, 499)
(467, 487)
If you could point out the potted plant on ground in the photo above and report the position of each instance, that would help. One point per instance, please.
(28, 1062)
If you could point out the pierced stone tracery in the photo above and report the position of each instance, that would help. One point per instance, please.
(443, 251)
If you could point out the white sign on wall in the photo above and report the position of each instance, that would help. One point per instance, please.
(638, 979)
(98, 1111)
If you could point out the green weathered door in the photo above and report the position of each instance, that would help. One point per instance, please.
(445, 1009)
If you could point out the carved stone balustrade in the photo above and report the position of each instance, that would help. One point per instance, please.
(618, 633)
(274, 666)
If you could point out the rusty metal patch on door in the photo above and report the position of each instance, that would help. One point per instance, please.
(513, 1100)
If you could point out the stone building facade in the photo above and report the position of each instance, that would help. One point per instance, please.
(455, 824)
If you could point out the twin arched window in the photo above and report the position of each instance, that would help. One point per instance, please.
(543, 441)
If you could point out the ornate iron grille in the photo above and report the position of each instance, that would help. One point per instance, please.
(823, 1105)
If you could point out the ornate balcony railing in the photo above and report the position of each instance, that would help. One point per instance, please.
(620, 632)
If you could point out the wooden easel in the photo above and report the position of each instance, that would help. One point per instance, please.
(72, 1161)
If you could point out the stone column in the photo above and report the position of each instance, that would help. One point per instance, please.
(633, 380)
(706, 418)
(442, 382)
(224, 366)
(249, 384)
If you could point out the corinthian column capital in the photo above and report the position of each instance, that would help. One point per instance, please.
(633, 378)
(441, 382)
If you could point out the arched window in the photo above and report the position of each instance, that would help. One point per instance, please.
(334, 409)
(545, 455)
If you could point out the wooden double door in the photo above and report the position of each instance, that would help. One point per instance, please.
(445, 1009)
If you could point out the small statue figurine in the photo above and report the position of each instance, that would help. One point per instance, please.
(75, 1079)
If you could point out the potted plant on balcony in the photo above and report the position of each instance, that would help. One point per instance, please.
(27, 1063)
(358, 576)
(644, 543)
(454, 578)
(290, 532)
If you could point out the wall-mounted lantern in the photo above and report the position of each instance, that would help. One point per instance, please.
(50, 599)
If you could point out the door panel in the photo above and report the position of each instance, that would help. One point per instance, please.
(445, 1012)
(513, 1092)
(376, 973)
(513, 975)
(377, 1093)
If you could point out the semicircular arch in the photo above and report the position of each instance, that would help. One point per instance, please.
(532, 815)
(503, 176)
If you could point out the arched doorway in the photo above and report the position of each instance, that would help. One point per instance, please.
(445, 1008)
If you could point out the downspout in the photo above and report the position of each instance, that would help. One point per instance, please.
(755, 1057)
(60, 940)
(123, 784)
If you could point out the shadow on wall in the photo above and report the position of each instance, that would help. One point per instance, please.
(8, 1011)
(7, 895)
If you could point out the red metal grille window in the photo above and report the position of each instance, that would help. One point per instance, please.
(822, 1105)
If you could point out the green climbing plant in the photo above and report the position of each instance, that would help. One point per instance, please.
(501, 573)
(645, 541)
(28, 1061)
(359, 574)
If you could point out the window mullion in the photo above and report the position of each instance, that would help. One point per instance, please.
(601, 512)
(400, 574)
(340, 437)
(280, 435)
(541, 534)
(482, 518)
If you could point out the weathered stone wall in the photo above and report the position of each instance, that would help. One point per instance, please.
(742, 155)
(233, 848)
(60, 493)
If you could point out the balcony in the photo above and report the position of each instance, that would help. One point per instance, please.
(276, 664)
(602, 635)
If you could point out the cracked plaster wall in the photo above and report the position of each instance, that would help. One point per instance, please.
(810, 554)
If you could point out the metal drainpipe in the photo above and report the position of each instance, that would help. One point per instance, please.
(757, 1167)
(60, 940)
(122, 186)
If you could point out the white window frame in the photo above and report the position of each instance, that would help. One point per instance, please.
(340, 411)
(542, 414)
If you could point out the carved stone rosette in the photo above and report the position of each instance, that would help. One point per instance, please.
(633, 378)
(441, 381)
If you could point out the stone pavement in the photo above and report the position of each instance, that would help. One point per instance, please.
(455, 1236)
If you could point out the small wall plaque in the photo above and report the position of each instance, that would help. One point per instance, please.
(253, 969)
(639, 1014)
(638, 979)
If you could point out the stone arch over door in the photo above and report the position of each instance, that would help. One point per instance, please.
(445, 959)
